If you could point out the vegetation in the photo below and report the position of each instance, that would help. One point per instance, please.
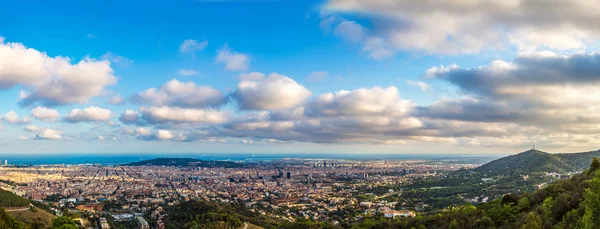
(63, 223)
(201, 214)
(9, 222)
(186, 162)
(9, 199)
(565, 204)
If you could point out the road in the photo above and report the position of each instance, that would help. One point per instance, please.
(20, 209)
(245, 225)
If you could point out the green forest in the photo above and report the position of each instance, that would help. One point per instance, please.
(9, 199)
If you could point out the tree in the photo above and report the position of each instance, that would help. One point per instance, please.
(63, 223)
(595, 165)
(533, 221)
(592, 203)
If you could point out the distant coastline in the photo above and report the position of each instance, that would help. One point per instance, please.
(116, 159)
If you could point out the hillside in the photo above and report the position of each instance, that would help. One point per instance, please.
(185, 162)
(565, 204)
(9, 199)
(535, 161)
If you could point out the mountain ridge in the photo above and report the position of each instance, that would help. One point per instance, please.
(536, 161)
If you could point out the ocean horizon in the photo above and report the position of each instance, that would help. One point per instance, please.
(115, 159)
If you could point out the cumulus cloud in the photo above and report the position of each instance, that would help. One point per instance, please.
(233, 61)
(191, 46)
(350, 30)
(49, 134)
(46, 114)
(130, 117)
(52, 80)
(469, 27)
(181, 94)
(90, 114)
(116, 100)
(360, 102)
(33, 128)
(160, 115)
(419, 84)
(13, 118)
(164, 135)
(158, 135)
(542, 95)
(274, 92)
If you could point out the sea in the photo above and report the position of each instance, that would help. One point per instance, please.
(116, 159)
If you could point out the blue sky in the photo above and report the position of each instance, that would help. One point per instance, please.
(351, 76)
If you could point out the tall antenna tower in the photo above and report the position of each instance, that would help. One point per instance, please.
(532, 142)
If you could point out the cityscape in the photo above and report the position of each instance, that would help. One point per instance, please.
(285, 189)
(300, 114)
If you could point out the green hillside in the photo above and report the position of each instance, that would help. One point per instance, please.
(535, 161)
(9, 199)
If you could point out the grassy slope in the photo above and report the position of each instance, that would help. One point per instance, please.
(29, 217)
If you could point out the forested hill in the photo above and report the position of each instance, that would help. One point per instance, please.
(186, 162)
(535, 161)
(566, 204)
(8, 199)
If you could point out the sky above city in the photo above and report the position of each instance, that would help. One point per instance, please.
(475, 77)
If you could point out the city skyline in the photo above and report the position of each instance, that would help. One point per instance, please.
(288, 77)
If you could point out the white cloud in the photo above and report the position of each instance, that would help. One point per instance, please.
(420, 84)
(46, 114)
(140, 131)
(191, 46)
(274, 92)
(360, 102)
(233, 61)
(130, 117)
(117, 59)
(33, 128)
(49, 134)
(23, 138)
(469, 27)
(181, 94)
(90, 114)
(187, 72)
(52, 80)
(116, 100)
(350, 30)
(101, 138)
(377, 48)
(164, 135)
(13, 118)
(158, 115)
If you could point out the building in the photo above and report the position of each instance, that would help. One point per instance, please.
(104, 224)
(401, 213)
(289, 175)
(142, 223)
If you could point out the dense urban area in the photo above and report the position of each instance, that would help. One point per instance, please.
(189, 193)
